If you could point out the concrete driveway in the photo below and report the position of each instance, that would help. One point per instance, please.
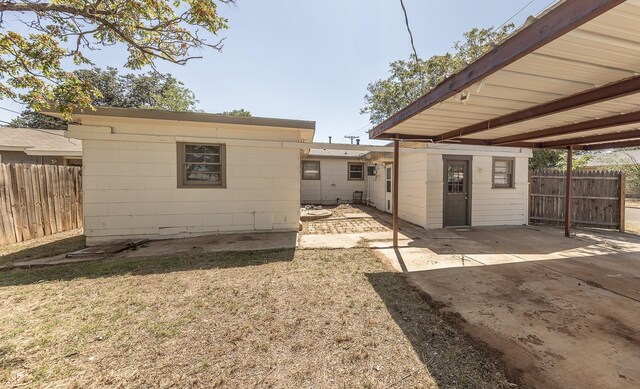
(632, 218)
(563, 312)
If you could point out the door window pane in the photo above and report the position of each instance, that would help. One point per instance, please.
(455, 179)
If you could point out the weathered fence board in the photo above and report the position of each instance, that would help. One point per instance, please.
(38, 200)
(597, 198)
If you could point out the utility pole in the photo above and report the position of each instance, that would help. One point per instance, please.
(352, 137)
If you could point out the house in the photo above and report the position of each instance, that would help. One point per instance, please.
(157, 174)
(330, 176)
(433, 192)
(38, 146)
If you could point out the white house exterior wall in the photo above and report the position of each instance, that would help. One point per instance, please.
(489, 206)
(421, 188)
(376, 186)
(412, 194)
(333, 187)
(130, 187)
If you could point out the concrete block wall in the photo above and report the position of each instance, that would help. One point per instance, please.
(130, 190)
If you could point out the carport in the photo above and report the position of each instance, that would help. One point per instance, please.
(567, 79)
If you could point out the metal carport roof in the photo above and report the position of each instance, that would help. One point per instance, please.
(568, 77)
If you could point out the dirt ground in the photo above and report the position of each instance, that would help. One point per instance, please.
(282, 318)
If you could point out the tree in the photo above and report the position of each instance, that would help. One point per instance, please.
(413, 78)
(31, 65)
(237, 112)
(546, 158)
(150, 90)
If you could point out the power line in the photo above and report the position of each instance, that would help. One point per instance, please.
(516, 14)
(359, 130)
(10, 110)
(406, 22)
(44, 117)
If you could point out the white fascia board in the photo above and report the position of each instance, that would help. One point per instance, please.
(12, 148)
(459, 149)
(61, 153)
(174, 139)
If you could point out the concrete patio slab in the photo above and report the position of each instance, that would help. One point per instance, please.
(217, 243)
(193, 245)
(564, 312)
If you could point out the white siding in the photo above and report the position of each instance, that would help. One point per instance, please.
(377, 188)
(488, 206)
(435, 191)
(334, 186)
(499, 206)
(412, 196)
(130, 189)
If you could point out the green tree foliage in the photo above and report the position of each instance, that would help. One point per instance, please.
(237, 112)
(546, 158)
(557, 159)
(150, 90)
(63, 31)
(413, 78)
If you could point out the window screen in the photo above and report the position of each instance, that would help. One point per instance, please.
(356, 171)
(310, 170)
(201, 165)
(503, 173)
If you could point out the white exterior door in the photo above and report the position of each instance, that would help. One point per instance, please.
(388, 196)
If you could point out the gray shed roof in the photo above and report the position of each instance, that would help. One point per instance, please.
(39, 142)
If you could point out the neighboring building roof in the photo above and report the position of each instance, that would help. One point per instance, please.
(338, 153)
(622, 157)
(39, 142)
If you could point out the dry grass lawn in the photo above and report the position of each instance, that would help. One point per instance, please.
(47, 246)
(321, 319)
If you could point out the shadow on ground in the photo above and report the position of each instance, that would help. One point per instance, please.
(143, 266)
(50, 249)
(546, 317)
(452, 358)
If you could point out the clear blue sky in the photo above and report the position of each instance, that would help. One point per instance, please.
(313, 59)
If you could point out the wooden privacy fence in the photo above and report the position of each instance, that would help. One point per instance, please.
(597, 199)
(38, 200)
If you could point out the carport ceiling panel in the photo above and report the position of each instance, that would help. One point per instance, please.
(580, 60)
(600, 131)
(614, 107)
